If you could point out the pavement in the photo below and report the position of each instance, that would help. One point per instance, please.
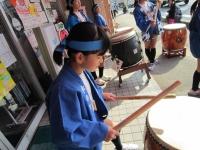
(166, 72)
(169, 69)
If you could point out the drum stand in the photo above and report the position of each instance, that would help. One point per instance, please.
(139, 66)
(171, 53)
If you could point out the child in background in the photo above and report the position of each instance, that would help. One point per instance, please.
(101, 22)
(75, 103)
(174, 13)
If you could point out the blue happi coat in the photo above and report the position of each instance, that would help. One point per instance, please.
(143, 22)
(194, 28)
(75, 125)
(100, 20)
(73, 20)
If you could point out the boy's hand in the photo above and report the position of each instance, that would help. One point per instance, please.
(109, 96)
(111, 135)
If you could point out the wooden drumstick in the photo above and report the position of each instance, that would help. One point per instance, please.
(139, 97)
(146, 106)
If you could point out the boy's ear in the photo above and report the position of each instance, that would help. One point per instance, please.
(79, 57)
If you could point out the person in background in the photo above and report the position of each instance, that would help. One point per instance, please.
(174, 13)
(75, 103)
(101, 22)
(114, 8)
(194, 38)
(148, 17)
(76, 15)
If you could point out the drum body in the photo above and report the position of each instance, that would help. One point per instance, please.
(173, 124)
(127, 48)
(174, 36)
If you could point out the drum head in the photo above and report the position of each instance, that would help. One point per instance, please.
(174, 26)
(175, 123)
(124, 35)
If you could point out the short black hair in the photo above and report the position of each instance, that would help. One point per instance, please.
(84, 31)
(87, 31)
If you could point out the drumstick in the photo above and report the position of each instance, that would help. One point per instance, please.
(146, 106)
(138, 97)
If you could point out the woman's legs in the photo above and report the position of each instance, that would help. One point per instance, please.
(195, 91)
(150, 51)
(147, 50)
(196, 77)
(101, 69)
(153, 48)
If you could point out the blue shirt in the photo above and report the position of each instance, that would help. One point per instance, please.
(142, 21)
(73, 20)
(194, 36)
(75, 125)
(100, 20)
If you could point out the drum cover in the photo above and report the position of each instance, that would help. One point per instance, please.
(175, 123)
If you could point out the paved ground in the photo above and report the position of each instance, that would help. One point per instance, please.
(167, 71)
(176, 68)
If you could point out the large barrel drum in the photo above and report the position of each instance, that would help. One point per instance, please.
(126, 47)
(174, 36)
(173, 124)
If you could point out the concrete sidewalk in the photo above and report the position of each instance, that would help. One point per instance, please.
(169, 69)
(166, 72)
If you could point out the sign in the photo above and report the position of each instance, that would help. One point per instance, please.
(6, 81)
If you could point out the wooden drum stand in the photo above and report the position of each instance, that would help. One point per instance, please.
(139, 66)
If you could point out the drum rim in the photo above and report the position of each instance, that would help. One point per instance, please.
(142, 59)
(156, 138)
(125, 39)
(173, 24)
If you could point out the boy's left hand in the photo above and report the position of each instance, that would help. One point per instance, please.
(109, 96)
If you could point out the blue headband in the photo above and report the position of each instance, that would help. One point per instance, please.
(85, 46)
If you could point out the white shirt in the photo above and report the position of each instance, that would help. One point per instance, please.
(88, 89)
(146, 9)
(80, 16)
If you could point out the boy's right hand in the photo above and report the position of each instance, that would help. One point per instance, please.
(111, 135)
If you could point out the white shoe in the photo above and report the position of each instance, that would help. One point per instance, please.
(194, 93)
(156, 62)
(151, 66)
(126, 146)
(100, 82)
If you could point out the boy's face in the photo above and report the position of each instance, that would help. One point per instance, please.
(92, 61)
